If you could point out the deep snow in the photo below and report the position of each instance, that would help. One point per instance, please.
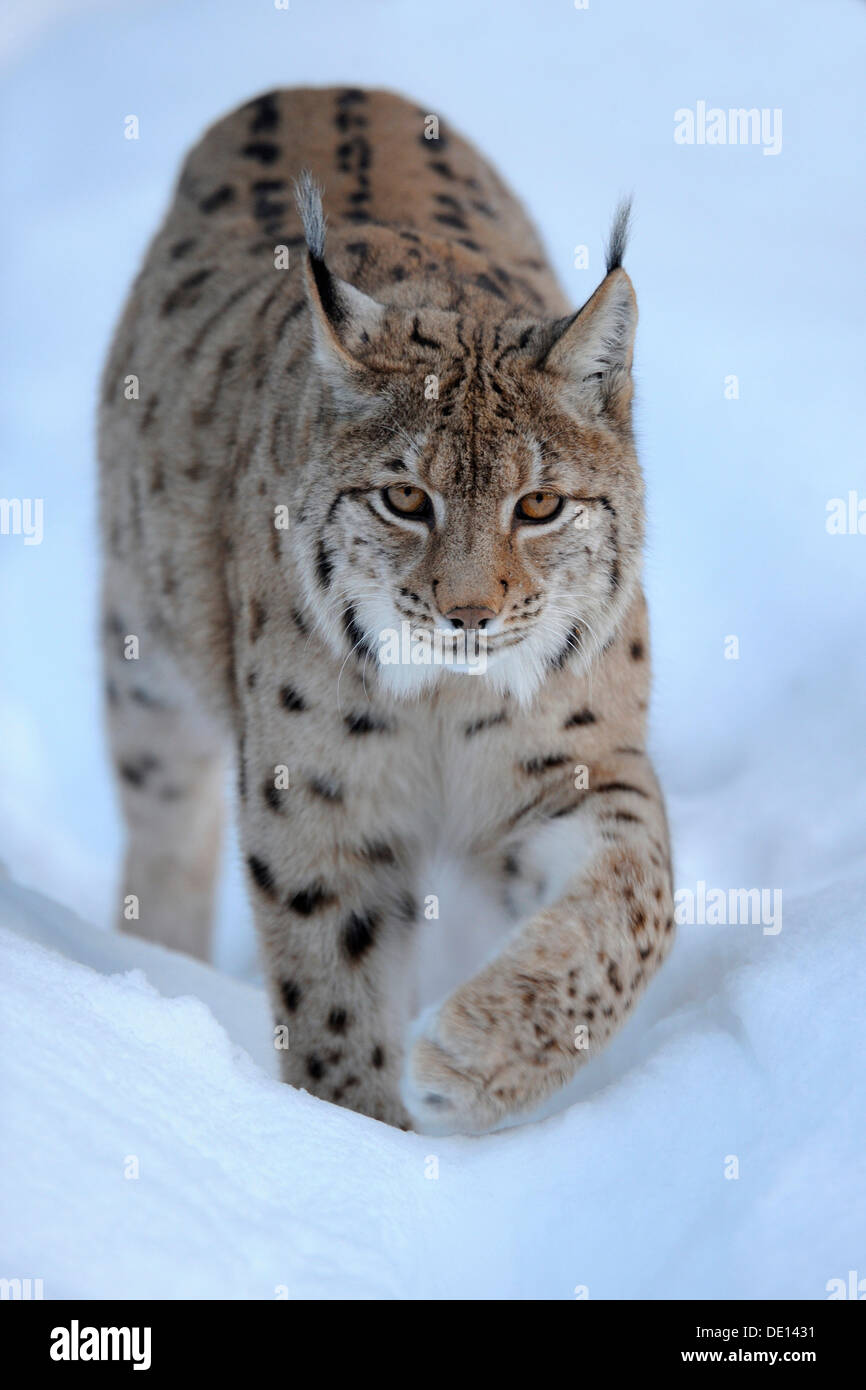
(749, 1048)
(748, 1044)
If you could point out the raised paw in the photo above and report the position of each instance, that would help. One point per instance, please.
(498, 1046)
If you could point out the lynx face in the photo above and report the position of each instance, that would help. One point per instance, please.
(500, 510)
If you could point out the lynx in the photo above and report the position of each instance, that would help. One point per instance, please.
(311, 444)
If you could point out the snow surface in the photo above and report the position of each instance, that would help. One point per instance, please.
(747, 1045)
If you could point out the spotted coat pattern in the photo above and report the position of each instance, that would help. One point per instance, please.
(258, 373)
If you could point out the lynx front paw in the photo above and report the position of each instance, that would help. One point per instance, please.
(498, 1046)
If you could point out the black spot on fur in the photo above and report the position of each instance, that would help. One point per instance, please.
(366, 724)
(242, 767)
(265, 207)
(262, 875)
(378, 1057)
(536, 766)
(489, 722)
(143, 697)
(311, 899)
(267, 113)
(583, 716)
(315, 1067)
(377, 852)
(291, 993)
(418, 337)
(359, 933)
(448, 219)
(265, 151)
(182, 248)
(485, 283)
(636, 651)
(272, 796)
(136, 773)
(220, 198)
(338, 1020)
(186, 294)
(324, 566)
(291, 700)
(357, 637)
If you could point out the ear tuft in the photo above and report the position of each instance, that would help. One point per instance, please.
(618, 235)
(308, 197)
(344, 319)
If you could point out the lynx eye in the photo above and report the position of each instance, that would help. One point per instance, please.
(406, 500)
(539, 506)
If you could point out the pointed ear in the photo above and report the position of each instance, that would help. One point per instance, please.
(592, 351)
(344, 319)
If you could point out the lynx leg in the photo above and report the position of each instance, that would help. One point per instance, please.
(521, 1027)
(167, 758)
(335, 937)
(330, 877)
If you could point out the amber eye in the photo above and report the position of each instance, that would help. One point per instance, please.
(539, 506)
(406, 500)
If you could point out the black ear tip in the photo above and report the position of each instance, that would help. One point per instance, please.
(618, 239)
(326, 288)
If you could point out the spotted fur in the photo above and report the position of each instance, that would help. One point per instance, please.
(417, 337)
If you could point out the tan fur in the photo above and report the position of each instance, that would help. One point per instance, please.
(431, 345)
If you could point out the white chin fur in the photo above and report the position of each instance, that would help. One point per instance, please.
(518, 671)
(508, 673)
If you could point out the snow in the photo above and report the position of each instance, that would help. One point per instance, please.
(748, 1045)
(116, 1050)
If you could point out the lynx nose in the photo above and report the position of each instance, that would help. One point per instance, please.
(470, 617)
